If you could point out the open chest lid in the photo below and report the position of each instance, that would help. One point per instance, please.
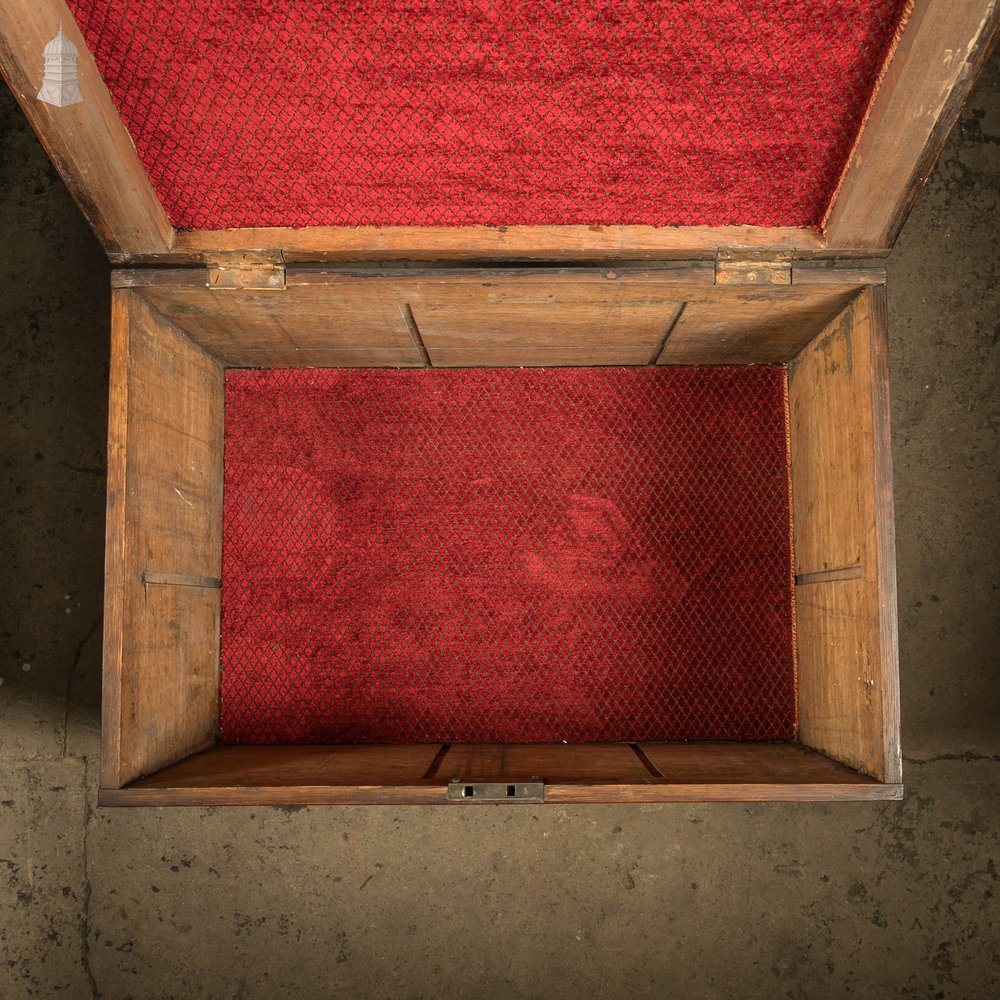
(535, 129)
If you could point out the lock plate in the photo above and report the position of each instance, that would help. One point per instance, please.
(496, 791)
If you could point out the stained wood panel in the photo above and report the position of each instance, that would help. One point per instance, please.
(697, 772)
(735, 772)
(758, 791)
(832, 456)
(543, 317)
(267, 767)
(728, 763)
(844, 547)
(752, 327)
(358, 322)
(174, 471)
(87, 142)
(164, 524)
(170, 682)
(516, 322)
(587, 763)
(553, 243)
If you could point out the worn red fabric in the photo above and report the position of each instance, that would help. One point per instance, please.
(491, 112)
(506, 555)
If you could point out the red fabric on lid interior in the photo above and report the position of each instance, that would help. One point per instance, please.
(478, 112)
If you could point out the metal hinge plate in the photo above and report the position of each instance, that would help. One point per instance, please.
(258, 272)
(490, 791)
(741, 266)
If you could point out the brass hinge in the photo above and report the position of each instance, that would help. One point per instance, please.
(742, 266)
(259, 272)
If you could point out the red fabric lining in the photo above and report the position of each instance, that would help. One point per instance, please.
(477, 112)
(506, 555)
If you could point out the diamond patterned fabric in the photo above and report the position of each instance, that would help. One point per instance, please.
(506, 555)
(481, 112)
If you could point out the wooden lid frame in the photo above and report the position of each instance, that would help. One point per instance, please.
(943, 47)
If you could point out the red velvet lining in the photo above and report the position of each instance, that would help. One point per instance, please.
(481, 112)
(506, 555)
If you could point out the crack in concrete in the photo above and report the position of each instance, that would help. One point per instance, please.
(84, 921)
(77, 656)
(964, 755)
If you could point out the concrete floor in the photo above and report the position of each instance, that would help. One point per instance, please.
(631, 902)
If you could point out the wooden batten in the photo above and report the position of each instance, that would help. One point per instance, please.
(161, 623)
(87, 142)
(845, 593)
(555, 243)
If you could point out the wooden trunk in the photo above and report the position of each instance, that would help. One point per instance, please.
(187, 305)
(174, 336)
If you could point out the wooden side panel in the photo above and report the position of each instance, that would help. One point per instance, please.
(752, 328)
(942, 50)
(777, 763)
(543, 317)
(169, 677)
(354, 324)
(832, 457)
(844, 548)
(393, 775)
(87, 142)
(523, 323)
(729, 772)
(174, 471)
(758, 791)
(277, 766)
(164, 546)
(115, 546)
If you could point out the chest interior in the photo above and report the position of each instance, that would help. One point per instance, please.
(587, 534)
